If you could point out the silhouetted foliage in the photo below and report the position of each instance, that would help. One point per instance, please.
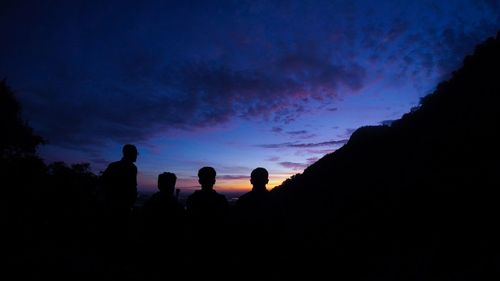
(72, 190)
(20, 168)
(18, 138)
(46, 210)
(19, 164)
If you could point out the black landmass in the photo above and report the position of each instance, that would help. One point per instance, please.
(413, 200)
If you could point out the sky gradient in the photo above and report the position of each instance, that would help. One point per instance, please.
(230, 84)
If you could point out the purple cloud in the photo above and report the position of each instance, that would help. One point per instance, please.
(233, 177)
(304, 145)
(301, 132)
(312, 160)
(320, 151)
(277, 129)
(293, 165)
(298, 166)
(273, 159)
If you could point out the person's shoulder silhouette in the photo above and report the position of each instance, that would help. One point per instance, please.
(206, 211)
(206, 202)
(256, 199)
(117, 195)
(163, 218)
(162, 213)
(120, 179)
(254, 223)
(163, 204)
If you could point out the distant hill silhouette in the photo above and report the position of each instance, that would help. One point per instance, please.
(416, 198)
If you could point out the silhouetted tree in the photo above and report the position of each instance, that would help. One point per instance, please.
(22, 176)
(18, 139)
(71, 198)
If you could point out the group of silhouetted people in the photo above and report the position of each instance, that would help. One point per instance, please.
(200, 227)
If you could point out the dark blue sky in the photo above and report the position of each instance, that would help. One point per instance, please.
(230, 84)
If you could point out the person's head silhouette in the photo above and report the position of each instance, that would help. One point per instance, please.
(206, 177)
(166, 182)
(259, 178)
(130, 152)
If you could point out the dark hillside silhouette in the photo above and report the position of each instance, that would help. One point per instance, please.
(417, 199)
(414, 200)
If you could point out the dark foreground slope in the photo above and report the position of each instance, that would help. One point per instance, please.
(415, 200)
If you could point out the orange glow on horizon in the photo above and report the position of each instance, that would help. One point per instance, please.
(221, 185)
(244, 185)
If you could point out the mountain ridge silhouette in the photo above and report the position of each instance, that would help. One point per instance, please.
(440, 119)
(421, 191)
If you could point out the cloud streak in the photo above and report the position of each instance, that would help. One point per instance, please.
(234, 177)
(293, 165)
(304, 145)
(301, 132)
(298, 166)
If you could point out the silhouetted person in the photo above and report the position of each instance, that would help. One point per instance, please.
(206, 205)
(119, 192)
(206, 210)
(254, 205)
(254, 220)
(163, 214)
(163, 227)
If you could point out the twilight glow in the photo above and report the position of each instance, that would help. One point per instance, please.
(230, 84)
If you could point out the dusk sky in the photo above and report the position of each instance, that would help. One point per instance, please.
(230, 84)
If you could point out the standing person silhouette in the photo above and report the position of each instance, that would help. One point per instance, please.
(163, 236)
(163, 214)
(255, 202)
(206, 210)
(119, 188)
(253, 209)
(255, 224)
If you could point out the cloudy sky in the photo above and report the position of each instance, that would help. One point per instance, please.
(229, 84)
